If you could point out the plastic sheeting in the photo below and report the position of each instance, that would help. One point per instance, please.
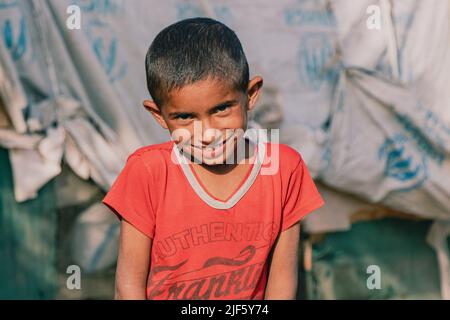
(390, 125)
(380, 93)
(387, 138)
(49, 69)
(51, 80)
(92, 245)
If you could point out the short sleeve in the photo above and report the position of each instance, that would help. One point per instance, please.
(302, 196)
(129, 197)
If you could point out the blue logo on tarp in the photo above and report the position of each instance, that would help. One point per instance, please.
(105, 46)
(5, 4)
(191, 10)
(314, 61)
(305, 17)
(403, 162)
(16, 42)
(100, 6)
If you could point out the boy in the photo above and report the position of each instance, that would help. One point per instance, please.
(199, 219)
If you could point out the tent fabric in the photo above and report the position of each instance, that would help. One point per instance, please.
(52, 68)
(88, 84)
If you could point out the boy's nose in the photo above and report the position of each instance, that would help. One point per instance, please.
(211, 136)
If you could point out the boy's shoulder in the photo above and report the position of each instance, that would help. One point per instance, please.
(289, 153)
(155, 154)
(289, 158)
(154, 148)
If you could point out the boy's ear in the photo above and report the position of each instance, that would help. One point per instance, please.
(156, 112)
(253, 91)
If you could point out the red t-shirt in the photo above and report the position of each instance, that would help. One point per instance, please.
(203, 247)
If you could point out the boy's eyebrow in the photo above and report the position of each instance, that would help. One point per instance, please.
(222, 104)
(174, 114)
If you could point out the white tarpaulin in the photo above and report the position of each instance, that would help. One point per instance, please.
(91, 82)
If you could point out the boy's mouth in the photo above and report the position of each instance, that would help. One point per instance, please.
(213, 152)
(215, 146)
(216, 150)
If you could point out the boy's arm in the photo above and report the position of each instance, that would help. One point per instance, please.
(283, 269)
(133, 263)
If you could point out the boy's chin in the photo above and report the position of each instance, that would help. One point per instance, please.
(211, 161)
(214, 162)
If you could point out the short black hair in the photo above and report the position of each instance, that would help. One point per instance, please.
(192, 50)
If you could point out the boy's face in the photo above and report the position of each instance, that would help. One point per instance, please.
(209, 116)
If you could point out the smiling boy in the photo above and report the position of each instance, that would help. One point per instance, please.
(205, 215)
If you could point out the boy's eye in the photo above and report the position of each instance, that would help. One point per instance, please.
(222, 108)
(183, 116)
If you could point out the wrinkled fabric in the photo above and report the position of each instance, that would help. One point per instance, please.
(323, 42)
